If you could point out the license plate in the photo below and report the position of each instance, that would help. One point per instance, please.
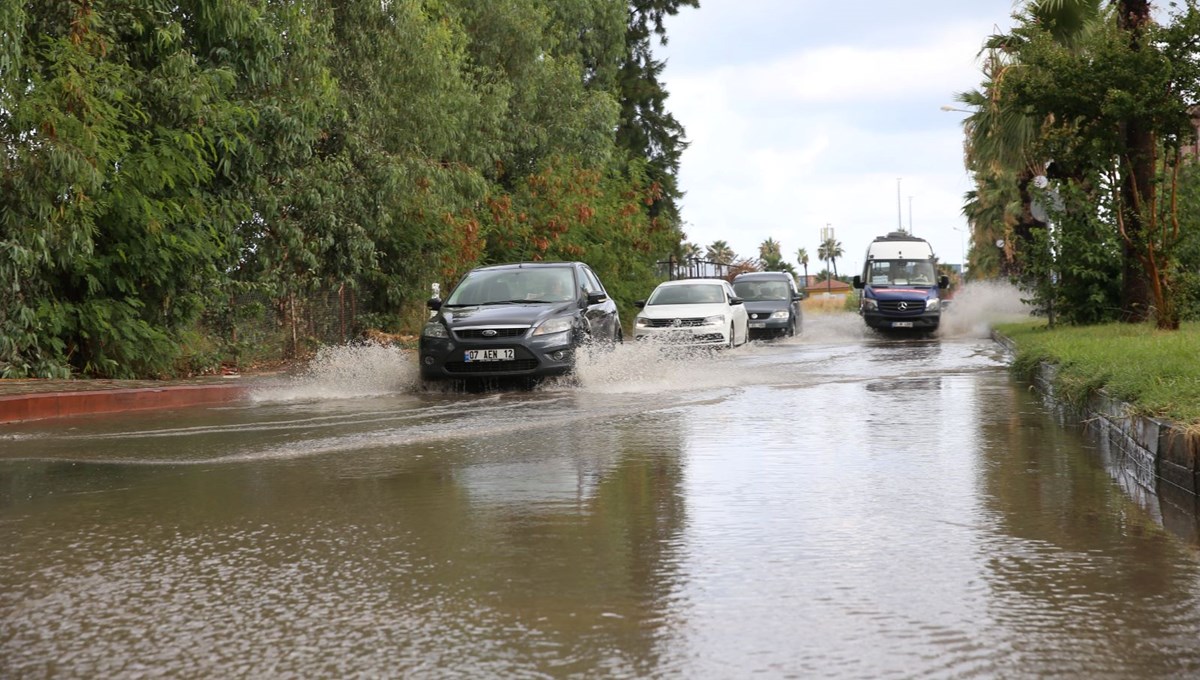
(489, 355)
(901, 324)
(758, 324)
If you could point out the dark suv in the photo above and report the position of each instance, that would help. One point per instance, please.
(772, 301)
(522, 320)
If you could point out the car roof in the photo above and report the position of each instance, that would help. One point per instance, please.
(526, 265)
(677, 282)
(762, 276)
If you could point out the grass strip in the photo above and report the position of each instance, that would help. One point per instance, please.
(1156, 372)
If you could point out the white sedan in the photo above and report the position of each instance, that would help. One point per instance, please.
(698, 312)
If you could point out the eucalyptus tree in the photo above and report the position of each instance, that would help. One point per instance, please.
(137, 137)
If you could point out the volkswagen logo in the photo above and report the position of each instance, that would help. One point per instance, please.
(902, 306)
(489, 333)
(677, 323)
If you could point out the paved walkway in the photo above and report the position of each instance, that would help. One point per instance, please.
(25, 400)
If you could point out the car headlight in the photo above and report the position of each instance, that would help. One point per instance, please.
(714, 320)
(869, 304)
(641, 322)
(435, 329)
(932, 305)
(781, 314)
(561, 324)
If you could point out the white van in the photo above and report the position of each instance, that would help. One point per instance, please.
(900, 284)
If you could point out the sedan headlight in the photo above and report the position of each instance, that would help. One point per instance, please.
(715, 320)
(560, 324)
(869, 304)
(781, 314)
(641, 322)
(932, 305)
(435, 329)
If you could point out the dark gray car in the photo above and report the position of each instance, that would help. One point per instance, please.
(522, 320)
(772, 301)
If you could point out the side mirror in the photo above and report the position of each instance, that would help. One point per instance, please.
(858, 282)
(434, 304)
(943, 281)
(735, 301)
(596, 298)
(640, 304)
(797, 296)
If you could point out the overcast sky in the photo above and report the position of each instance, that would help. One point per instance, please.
(803, 114)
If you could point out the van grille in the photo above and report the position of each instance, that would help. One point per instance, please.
(913, 307)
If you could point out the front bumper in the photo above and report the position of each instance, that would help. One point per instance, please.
(533, 357)
(700, 336)
(883, 321)
(769, 327)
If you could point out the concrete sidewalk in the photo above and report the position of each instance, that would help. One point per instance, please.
(26, 400)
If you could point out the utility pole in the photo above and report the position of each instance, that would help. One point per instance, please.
(899, 216)
(910, 231)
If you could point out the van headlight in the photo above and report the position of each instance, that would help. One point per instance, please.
(435, 329)
(869, 304)
(561, 324)
(933, 305)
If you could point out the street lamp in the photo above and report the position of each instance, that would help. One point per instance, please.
(947, 107)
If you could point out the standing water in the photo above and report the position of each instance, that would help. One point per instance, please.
(840, 504)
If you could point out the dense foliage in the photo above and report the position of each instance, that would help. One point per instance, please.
(1078, 144)
(165, 158)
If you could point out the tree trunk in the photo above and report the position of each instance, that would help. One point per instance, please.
(1137, 177)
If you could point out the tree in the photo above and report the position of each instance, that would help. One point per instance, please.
(802, 258)
(647, 130)
(720, 252)
(829, 252)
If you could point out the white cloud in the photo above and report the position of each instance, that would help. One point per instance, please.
(786, 138)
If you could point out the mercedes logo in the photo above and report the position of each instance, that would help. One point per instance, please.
(902, 306)
(489, 333)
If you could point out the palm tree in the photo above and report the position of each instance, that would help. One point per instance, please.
(830, 251)
(691, 251)
(802, 258)
(769, 248)
(720, 252)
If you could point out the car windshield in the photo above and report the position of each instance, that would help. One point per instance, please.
(761, 291)
(900, 273)
(501, 286)
(688, 294)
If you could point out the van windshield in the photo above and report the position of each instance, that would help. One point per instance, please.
(901, 273)
(761, 291)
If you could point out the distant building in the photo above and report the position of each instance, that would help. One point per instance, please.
(833, 288)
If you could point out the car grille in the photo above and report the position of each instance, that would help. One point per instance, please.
(514, 366)
(490, 333)
(683, 323)
(913, 307)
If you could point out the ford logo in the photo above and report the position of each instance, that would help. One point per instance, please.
(489, 333)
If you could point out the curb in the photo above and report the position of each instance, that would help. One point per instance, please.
(27, 407)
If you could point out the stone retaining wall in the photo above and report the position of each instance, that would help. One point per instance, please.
(1159, 457)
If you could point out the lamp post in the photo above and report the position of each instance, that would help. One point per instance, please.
(962, 249)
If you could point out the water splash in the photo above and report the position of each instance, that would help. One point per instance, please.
(978, 305)
(346, 372)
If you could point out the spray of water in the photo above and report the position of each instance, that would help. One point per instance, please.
(346, 372)
(980, 305)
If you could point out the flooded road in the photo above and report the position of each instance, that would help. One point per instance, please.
(836, 505)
